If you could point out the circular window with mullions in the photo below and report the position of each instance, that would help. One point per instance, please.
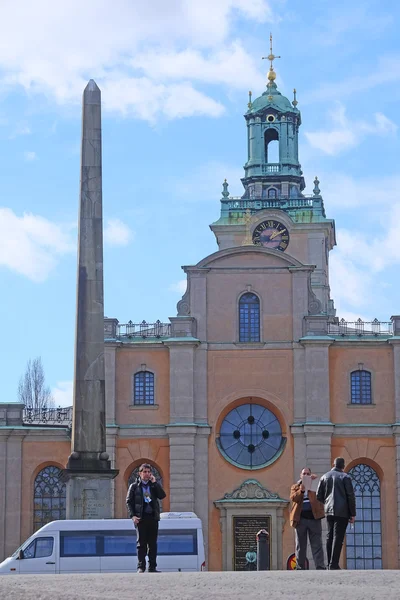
(250, 437)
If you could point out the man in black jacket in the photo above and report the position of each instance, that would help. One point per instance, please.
(335, 491)
(144, 509)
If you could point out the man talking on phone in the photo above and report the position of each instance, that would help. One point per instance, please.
(144, 509)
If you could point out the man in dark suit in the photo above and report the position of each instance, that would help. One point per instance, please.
(144, 509)
(335, 491)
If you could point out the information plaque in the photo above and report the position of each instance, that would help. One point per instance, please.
(245, 530)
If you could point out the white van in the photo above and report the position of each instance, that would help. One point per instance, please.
(107, 546)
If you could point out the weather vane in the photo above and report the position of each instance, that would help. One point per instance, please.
(271, 56)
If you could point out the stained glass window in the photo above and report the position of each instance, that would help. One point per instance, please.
(250, 436)
(361, 387)
(249, 318)
(49, 502)
(143, 388)
(364, 541)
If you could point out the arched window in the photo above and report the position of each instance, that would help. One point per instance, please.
(271, 146)
(361, 387)
(135, 474)
(249, 318)
(364, 542)
(143, 388)
(272, 193)
(49, 497)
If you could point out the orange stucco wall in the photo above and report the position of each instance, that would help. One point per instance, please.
(378, 360)
(129, 361)
(271, 386)
(274, 291)
(239, 376)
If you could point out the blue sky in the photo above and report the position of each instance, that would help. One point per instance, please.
(175, 78)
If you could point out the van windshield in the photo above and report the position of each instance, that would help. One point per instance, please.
(25, 543)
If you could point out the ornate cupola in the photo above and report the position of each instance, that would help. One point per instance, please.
(274, 213)
(273, 178)
(273, 124)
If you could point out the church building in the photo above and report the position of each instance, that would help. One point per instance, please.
(253, 379)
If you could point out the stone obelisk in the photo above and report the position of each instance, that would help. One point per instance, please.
(88, 473)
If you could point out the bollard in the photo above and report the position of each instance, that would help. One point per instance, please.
(262, 538)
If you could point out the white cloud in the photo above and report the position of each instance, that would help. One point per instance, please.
(59, 47)
(30, 156)
(63, 393)
(231, 66)
(31, 245)
(148, 100)
(117, 233)
(384, 125)
(347, 133)
(19, 130)
(179, 286)
(359, 261)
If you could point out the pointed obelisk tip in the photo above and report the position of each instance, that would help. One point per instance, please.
(92, 93)
(92, 86)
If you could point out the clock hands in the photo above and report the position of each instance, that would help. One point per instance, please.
(273, 235)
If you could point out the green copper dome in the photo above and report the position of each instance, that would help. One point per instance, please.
(272, 98)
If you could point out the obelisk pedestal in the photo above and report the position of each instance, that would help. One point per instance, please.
(88, 473)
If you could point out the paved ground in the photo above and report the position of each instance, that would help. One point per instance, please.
(277, 585)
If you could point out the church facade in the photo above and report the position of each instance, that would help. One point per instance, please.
(254, 379)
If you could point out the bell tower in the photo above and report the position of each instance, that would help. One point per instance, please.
(273, 211)
(273, 121)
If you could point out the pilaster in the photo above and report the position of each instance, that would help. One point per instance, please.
(110, 382)
(317, 379)
(299, 300)
(395, 342)
(201, 479)
(397, 441)
(182, 467)
(181, 357)
(11, 490)
(3, 482)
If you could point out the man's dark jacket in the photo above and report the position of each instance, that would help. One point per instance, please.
(335, 491)
(135, 500)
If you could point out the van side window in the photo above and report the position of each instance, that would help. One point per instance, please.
(123, 543)
(78, 543)
(120, 543)
(182, 541)
(39, 548)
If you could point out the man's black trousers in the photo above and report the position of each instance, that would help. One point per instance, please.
(334, 539)
(147, 532)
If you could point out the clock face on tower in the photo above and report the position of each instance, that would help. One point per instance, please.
(271, 234)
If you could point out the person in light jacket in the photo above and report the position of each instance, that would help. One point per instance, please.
(305, 516)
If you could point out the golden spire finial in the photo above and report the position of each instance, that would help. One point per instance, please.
(271, 57)
(250, 104)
